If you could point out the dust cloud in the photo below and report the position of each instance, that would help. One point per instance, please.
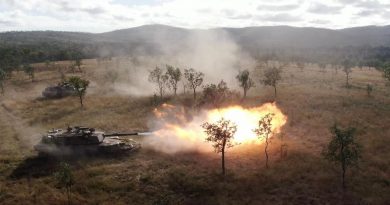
(212, 52)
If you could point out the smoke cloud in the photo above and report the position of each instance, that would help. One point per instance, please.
(212, 52)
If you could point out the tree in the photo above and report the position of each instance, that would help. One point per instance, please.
(30, 71)
(245, 81)
(65, 179)
(174, 76)
(194, 78)
(80, 86)
(78, 62)
(386, 71)
(216, 94)
(3, 77)
(342, 149)
(159, 78)
(369, 89)
(271, 78)
(221, 134)
(347, 68)
(264, 131)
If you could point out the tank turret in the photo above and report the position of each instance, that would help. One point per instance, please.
(59, 91)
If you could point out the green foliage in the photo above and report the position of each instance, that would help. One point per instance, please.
(369, 89)
(174, 76)
(386, 71)
(264, 131)
(221, 134)
(80, 86)
(158, 77)
(347, 68)
(216, 95)
(65, 179)
(78, 63)
(272, 77)
(3, 76)
(29, 70)
(343, 149)
(245, 81)
(194, 79)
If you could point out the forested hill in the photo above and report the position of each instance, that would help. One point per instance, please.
(278, 41)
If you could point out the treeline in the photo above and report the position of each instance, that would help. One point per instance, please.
(362, 56)
(14, 54)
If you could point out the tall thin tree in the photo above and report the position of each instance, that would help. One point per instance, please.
(221, 134)
(174, 76)
(158, 77)
(245, 81)
(343, 149)
(272, 77)
(194, 79)
(264, 131)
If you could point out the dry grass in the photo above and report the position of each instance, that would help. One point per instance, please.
(312, 100)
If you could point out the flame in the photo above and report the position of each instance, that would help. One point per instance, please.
(179, 130)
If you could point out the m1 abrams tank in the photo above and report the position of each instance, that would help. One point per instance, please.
(84, 140)
(59, 91)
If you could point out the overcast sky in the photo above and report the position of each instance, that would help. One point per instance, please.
(107, 15)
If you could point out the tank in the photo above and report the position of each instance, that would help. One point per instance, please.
(85, 140)
(59, 91)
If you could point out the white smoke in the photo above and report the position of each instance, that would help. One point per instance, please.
(212, 52)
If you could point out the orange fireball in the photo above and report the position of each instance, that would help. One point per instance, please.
(176, 131)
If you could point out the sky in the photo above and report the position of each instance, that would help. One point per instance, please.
(106, 15)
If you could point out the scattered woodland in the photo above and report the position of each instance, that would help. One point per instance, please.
(334, 148)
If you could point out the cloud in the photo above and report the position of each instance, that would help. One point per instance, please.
(319, 8)
(6, 22)
(283, 7)
(94, 10)
(283, 17)
(107, 15)
(243, 16)
(320, 22)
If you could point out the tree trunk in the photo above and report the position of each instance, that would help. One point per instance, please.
(68, 193)
(347, 80)
(274, 92)
(266, 152)
(161, 93)
(175, 89)
(194, 94)
(343, 167)
(223, 157)
(343, 176)
(81, 100)
(245, 90)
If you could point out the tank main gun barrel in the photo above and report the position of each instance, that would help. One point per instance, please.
(127, 134)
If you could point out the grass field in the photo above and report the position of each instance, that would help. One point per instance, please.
(312, 101)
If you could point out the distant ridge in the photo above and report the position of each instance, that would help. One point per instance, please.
(264, 36)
